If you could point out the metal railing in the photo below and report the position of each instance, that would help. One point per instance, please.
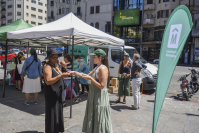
(3, 16)
(3, 24)
(51, 17)
(4, 9)
(3, 2)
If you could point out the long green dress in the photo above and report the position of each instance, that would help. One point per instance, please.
(97, 114)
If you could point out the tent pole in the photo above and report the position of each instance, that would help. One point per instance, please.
(71, 76)
(46, 50)
(28, 50)
(4, 82)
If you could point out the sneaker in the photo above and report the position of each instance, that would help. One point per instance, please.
(77, 100)
(82, 92)
(35, 103)
(133, 108)
(26, 103)
(64, 104)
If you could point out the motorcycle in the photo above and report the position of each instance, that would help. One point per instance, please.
(194, 83)
(187, 92)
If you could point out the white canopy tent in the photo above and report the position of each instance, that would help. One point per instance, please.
(68, 30)
(60, 31)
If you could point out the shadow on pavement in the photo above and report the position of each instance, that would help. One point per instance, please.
(151, 101)
(191, 114)
(29, 132)
(15, 99)
(119, 108)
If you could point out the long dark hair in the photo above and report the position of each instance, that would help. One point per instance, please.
(69, 58)
(35, 56)
(104, 61)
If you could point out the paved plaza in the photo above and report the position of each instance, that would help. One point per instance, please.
(176, 116)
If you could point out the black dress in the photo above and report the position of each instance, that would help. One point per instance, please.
(54, 104)
(17, 75)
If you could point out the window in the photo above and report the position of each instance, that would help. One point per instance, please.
(32, 8)
(45, 4)
(33, 16)
(18, 5)
(26, 14)
(9, 21)
(172, 10)
(67, 11)
(196, 24)
(117, 55)
(92, 24)
(173, 0)
(45, 18)
(108, 28)
(52, 3)
(9, 6)
(165, 0)
(39, 3)
(32, 22)
(159, 1)
(63, 1)
(10, 14)
(158, 14)
(32, 1)
(149, 16)
(78, 0)
(39, 23)
(59, 11)
(78, 10)
(97, 25)
(149, 34)
(149, 1)
(26, 7)
(39, 17)
(18, 13)
(39, 10)
(167, 13)
(97, 9)
(92, 10)
(27, 0)
(26, 21)
(63, 11)
(163, 13)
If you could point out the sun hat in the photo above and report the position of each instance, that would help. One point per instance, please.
(51, 52)
(99, 52)
(126, 54)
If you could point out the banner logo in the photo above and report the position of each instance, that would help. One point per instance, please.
(174, 36)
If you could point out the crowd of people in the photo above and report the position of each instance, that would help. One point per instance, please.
(56, 79)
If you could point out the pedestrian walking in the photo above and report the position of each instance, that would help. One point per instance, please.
(136, 80)
(66, 67)
(31, 74)
(97, 114)
(53, 92)
(18, 60)
(124, 78)
(83, 68)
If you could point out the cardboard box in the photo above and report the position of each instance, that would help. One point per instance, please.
(1, 82)
(112, 89)
(114, 82)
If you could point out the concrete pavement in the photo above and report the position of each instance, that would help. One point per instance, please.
(176, 116)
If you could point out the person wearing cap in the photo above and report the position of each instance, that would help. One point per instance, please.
(97, 114)
(83, 68)
(33, 76)
(124, 73)
(53, 92)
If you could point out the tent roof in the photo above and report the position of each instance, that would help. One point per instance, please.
(17, 25)
(61, 32)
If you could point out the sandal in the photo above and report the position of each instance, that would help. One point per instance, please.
(124, 101)
(118, 100)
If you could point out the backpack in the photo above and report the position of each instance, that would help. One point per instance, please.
(68, 92)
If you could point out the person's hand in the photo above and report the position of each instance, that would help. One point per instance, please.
(64, 75)
(119, 74)
(86, 77)
(62, 63)
(71, 72)
(138, 73)
(22, 77)
(127, 76)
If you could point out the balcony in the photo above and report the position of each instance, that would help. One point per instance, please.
(149, 21)
(195, 32)
(186, 2)
(149, 7)
(52, 18)
(3, 10)
(3, 2)
(3, 17)
(3, 24)
(196, 16)
(196, 2)
(79, 14)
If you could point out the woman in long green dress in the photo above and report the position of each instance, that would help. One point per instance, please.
(97, 115)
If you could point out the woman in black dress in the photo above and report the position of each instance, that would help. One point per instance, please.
(18, 60)
(53, 91)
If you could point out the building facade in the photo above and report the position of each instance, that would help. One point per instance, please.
(59, 8)
(156, 15)
(99, 14)
(33, 12)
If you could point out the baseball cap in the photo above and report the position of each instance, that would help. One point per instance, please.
(99, 52)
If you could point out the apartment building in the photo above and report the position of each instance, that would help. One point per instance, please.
(156, 15)
(33, 12)
(99, 14)
(59, 8)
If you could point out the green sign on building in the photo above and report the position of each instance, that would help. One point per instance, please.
(127, 17)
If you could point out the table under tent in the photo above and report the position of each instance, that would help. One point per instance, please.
(68, 30)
